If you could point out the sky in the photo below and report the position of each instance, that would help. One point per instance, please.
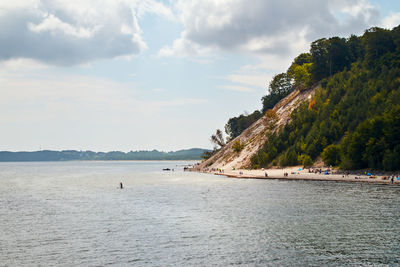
(107, 75)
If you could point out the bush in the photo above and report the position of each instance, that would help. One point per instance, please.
(289, 158)
(305, 160)
(207, 154)
(331, 155)
(237, 146)
(391, 159)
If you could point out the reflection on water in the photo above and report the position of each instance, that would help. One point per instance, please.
(72, 213)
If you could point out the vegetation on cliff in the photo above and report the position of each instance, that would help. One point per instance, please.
(353, 120)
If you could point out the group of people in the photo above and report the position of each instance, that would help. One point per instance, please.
(316, 171)
(345, 175)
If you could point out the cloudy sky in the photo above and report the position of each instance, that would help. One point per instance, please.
(144, 74)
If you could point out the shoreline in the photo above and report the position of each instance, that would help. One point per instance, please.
(301, 175)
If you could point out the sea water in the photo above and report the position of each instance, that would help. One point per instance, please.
(73, 213)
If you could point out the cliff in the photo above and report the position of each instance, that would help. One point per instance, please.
(254, 137)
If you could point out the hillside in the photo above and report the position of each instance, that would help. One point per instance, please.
(254, 137)
(351, 120)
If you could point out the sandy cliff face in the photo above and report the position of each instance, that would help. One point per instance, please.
(255, 136)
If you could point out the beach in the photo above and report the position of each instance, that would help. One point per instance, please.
(298, 173)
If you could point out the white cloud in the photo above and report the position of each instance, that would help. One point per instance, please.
(53, 24)
(265, 26)
(183, 47)
(255, 77)
(391, 21)
(274, 32)
(73, 32)
(151, 6)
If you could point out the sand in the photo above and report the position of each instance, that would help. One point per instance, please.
(296, 174)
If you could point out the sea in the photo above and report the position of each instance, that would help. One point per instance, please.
(75, 214)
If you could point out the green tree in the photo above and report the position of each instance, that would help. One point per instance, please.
(331, 155)
(236, 125)
(280, 86)
(301, 75)
(319, 53)
(305, 161)
(289, 158)
(377, 42)
(237, 146)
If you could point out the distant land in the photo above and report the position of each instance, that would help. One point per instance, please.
(65, 155)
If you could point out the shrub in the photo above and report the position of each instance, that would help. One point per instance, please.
(289, 158)
(237, 146)
(331, 155)
(305, 160)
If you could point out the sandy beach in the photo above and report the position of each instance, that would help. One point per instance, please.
(297, 173)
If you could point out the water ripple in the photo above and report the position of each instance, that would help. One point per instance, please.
(71, 213)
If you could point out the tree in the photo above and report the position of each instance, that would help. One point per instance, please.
(289, 158)
(237, 146)
(305, 160)
(331, 155)
(301, 75)
(377, 41)
(236, 125)
(271, 118)
(356, 50)
(338, 55)
(319, 52)
(303, 58)
(218, 139)
(300, 71)
(207, 154)
(280, 86)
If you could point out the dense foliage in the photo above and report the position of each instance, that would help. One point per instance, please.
(354, 119)
(236, 125)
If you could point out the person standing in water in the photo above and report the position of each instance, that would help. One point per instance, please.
(121, 186)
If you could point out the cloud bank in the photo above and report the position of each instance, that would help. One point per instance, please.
(73, 32)
(265, 26)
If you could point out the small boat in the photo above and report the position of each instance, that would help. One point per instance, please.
(166, 169)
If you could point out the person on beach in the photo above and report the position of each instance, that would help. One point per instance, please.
(266, 174)
(392, 180)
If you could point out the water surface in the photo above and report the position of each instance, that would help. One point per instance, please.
(72, 213)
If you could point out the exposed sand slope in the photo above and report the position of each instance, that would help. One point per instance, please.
(255, 136)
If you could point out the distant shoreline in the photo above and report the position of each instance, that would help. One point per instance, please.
(303, 175)
(100, 160)
(73, 155)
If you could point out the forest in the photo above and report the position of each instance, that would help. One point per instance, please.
(353, 120)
